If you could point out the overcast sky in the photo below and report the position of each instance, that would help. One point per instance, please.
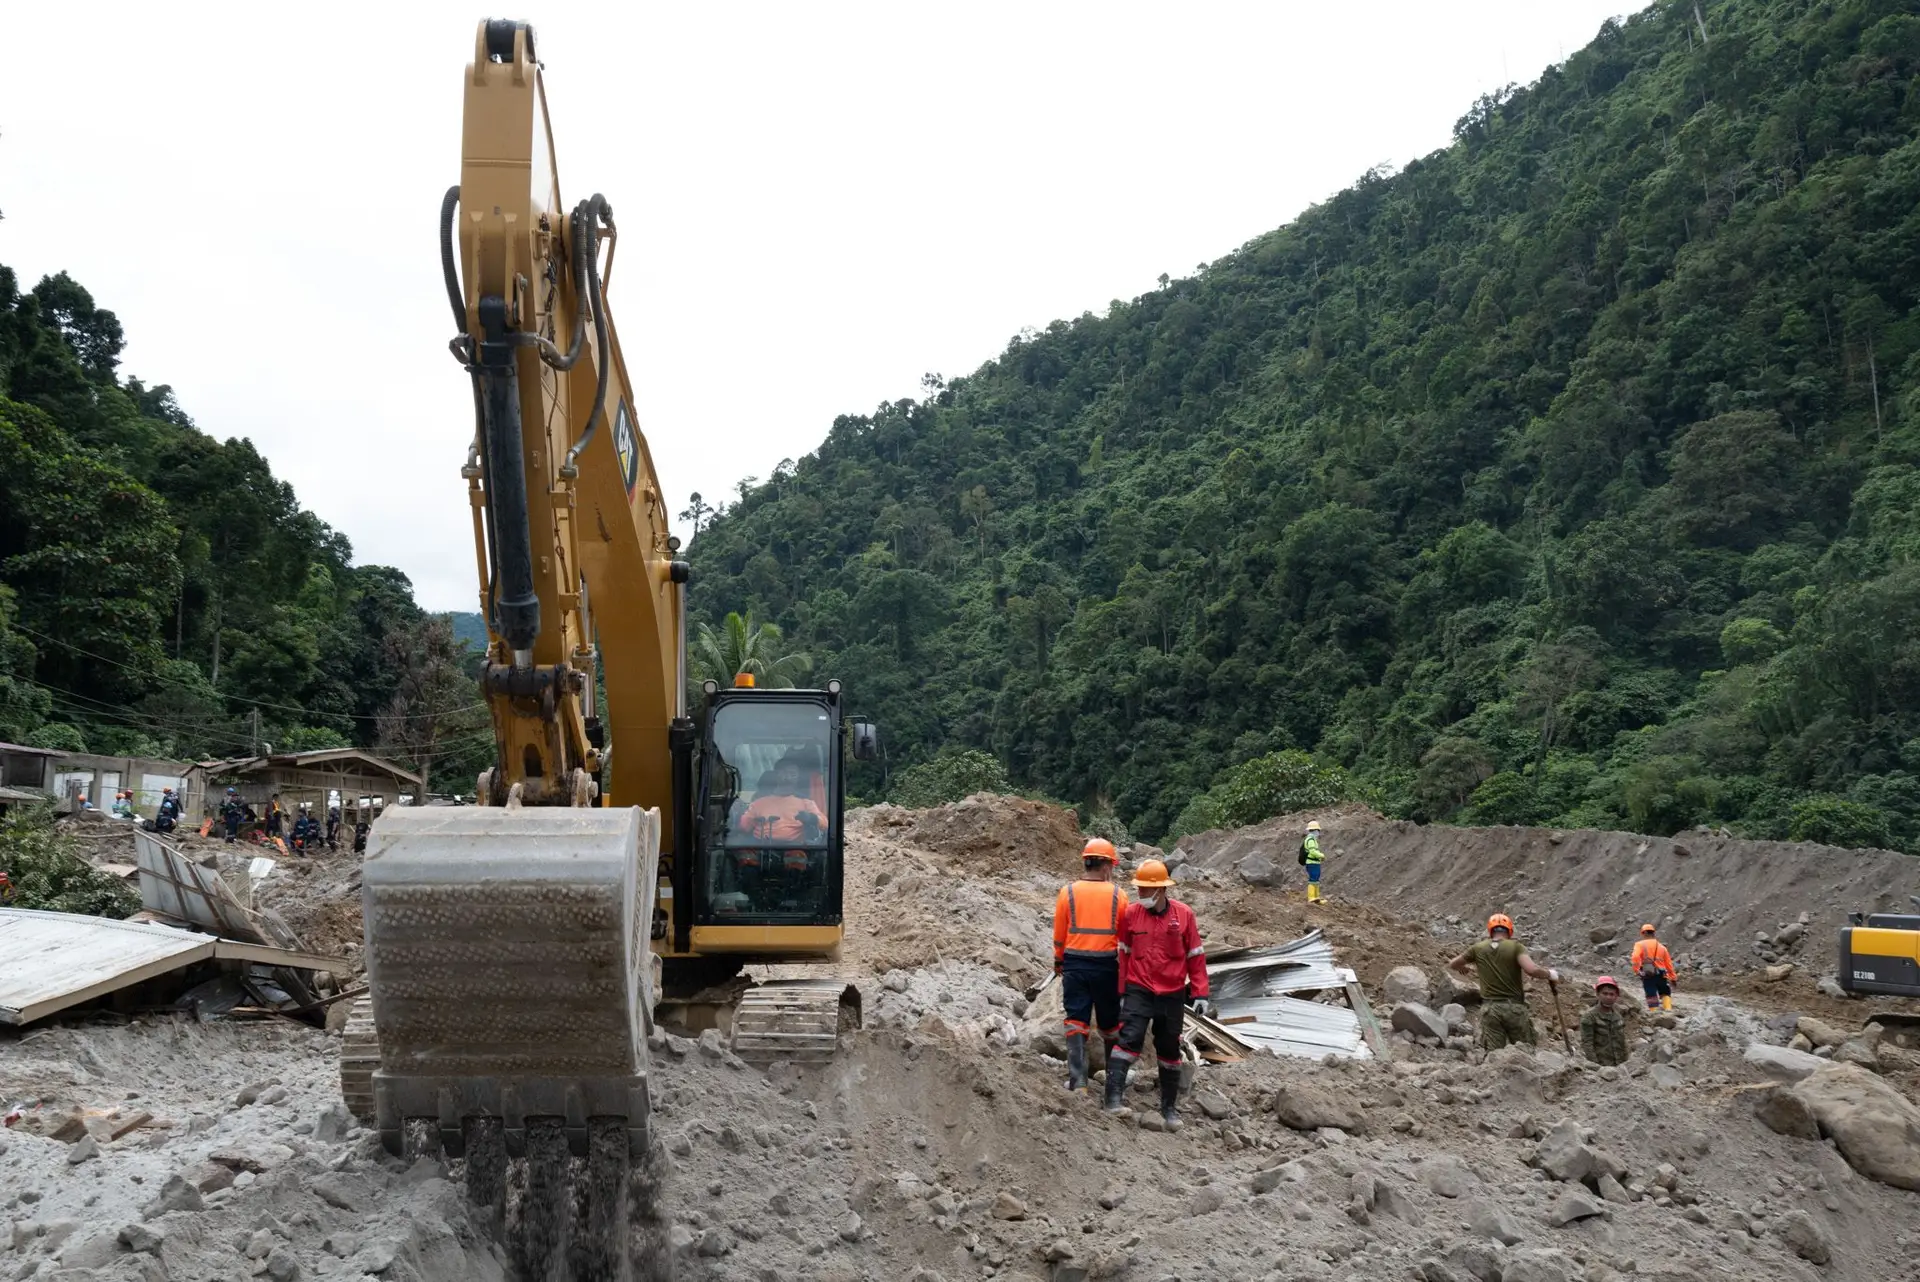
(818, 203)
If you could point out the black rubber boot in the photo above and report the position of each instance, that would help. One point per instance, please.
(1169, 1096)
(1117, 1066)
(1076, 1061)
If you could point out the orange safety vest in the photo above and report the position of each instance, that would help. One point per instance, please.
(1651, 952)
(1086, 920)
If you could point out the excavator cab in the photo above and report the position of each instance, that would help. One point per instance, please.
(769, 826)
(756, 870)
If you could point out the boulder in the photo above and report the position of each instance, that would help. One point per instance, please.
(1774, 974)
(1258, 870)
(1612, 1190)
(1451, 986)
(1807, 1239)
(1489, 1221)
(1539, 1266)
(1407, 984)
(1476, 1259)
(1447, 1176)
(1789, 935)
(1412, 1017)
(1876, 1128)
(1602, 934)
(1856, 1051)
(1574, 1204)
(1785, 1113)
(1782, 1064)
(1306, 1107)
(1828, 986)
(1819, 1032)
(1566, 1157)
(1456, 1016)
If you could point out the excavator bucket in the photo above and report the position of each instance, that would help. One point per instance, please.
(511, 983)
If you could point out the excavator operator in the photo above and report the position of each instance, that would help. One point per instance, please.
(767, 871)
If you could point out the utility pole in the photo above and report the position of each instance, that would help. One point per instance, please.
(256, 732)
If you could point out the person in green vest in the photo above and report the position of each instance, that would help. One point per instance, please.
(1310, 857)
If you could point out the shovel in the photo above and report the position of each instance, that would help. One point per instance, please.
(1560, 1015)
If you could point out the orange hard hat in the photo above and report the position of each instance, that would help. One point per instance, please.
(1606, 981)
(1499, 920)
(1100, 848)
(1152, 875)
(1647, 929)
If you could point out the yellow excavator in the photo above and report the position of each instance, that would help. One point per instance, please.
(627, 849)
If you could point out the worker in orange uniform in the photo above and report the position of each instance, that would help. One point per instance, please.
(1163, 967)
(1654, 964)
(1086, 933)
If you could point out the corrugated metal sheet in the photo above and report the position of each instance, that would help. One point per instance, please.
(49, 961)
(173, 885)
(1290, 1026)
(1303, 965)
(1254, 983)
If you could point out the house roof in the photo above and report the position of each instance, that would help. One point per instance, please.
(24, 794)
(317, 759)
(15, 749)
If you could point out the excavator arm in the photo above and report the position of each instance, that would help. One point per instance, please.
(570, 522)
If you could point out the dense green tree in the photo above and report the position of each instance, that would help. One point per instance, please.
(1569, 474)
(162, 593)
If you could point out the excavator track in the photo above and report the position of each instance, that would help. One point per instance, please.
(795, 1019)
(359, 1057)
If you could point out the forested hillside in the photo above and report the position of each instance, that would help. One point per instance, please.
(162, 593)
(1570, 474)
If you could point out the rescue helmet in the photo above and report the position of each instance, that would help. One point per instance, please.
(233, 792)
(1152, 875)
(167, 791)
(1500, 921)
(1647, 929)
(1100, 848)
(1606, 981)
(1313, 825)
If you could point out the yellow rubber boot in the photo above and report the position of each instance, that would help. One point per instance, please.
(1666, 1003)
(1313, 892)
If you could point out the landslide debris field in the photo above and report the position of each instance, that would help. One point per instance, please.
(940, 1146)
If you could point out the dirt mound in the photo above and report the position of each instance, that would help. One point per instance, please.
(1570, 891)
(933, 1154)
(988, 833)
(908, 906)
(208, 1186)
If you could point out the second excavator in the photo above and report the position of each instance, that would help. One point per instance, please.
(627, 847)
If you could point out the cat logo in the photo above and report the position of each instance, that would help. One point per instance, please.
(627, 445)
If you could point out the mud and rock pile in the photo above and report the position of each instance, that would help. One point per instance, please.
(1721, 902)
(940, 1144)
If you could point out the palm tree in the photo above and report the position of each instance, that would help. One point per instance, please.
(741, 645)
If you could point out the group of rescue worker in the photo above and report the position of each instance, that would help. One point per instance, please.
(307, 832)
(1130, 968)
(1501, 964)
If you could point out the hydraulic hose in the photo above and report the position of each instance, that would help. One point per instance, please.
(588, 217)
(462, 346)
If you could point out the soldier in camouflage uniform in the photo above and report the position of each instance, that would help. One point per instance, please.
(1603, 1029)
(1503, 964)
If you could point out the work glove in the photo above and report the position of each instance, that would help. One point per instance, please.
(1059, 969)
(1200, 1006)
(1553, 977)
